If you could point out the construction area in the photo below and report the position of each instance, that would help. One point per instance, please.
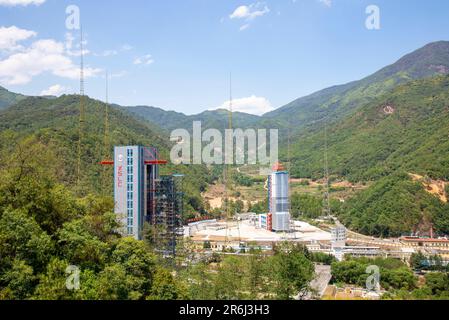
(147, 204)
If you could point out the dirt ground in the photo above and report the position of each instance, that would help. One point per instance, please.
(435, 187)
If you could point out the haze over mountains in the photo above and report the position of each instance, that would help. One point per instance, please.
(381, 128)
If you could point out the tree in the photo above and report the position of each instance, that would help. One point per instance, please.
(438, 283)
(80, 247)
(52, 284)
(115, 283)
(200, 282)
(165, 287)
(417, 260)
(229, 279)
(137, 260)
(28, 183)
(291, 271)
(21, 238)
(256, 275)
(18, 282)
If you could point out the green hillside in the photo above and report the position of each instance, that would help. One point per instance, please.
(405, 129)
(339, 101)
(8, 98)
(54, 122)
(402, 132)
(395, 206)
(170, 120)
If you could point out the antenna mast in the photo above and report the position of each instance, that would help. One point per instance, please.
(226, 172)
(326, 200)
(106, 121)
(82, 109)
(106, 140)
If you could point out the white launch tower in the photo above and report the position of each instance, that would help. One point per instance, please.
(278, 198)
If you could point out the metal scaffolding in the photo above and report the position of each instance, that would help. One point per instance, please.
(166, 218)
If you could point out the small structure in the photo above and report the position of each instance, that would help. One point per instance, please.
(441, 243)
(338, 236)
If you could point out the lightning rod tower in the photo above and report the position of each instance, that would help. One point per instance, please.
(82, 110)
(326, 200)
(106, 138)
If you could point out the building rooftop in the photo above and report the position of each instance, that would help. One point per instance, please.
(414, 239)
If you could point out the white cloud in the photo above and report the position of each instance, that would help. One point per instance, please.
(12, 3)
(327, 3)
(107, 53)
(41, 57)
(55, 90)
(146, 60)
(244, 27)
(252, 105)
(118, 74)
(10, 36)
(250, 12)
(126, 47)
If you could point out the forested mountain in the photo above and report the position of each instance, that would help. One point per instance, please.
(380, 129)
(170, 120)
(401, 132)
(336, 102)
(8, 98)
(405, 129)
(55, 123)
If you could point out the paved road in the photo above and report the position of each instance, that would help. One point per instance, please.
(319, 284)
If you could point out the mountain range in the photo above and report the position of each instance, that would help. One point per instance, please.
(379, 129)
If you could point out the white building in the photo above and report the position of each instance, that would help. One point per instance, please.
(338, 236)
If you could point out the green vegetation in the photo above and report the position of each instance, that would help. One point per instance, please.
(394, 206)
(242, 180)
(420, 262)
(8, 98)
(310, 206)
(436, 287)
(45, 228)
(372, 145)
(395, 277)
(54, 123)
(381, 126)
(307, 205)
(170, 120)
(393, 273)
(259, 207)
(322, 258)
(282, 276)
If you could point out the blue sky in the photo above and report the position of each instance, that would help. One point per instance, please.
(177, 55)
